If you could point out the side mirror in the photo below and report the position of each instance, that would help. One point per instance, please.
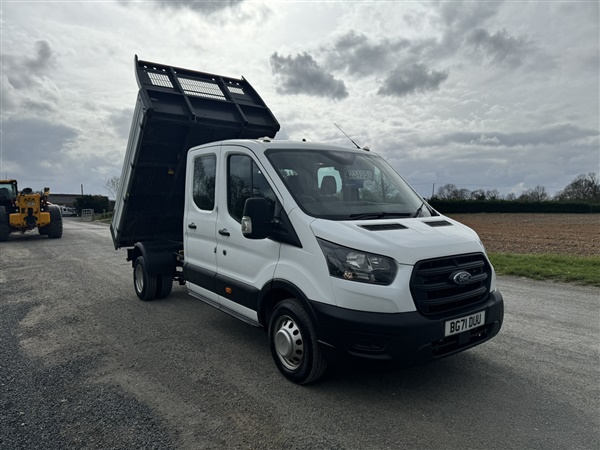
(257, 221)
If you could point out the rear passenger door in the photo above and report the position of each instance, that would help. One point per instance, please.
(199, 223)
(244, 265)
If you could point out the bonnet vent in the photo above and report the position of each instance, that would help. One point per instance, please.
(439, 223)
(383, 227)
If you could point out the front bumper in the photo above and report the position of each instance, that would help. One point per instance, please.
(409, 338)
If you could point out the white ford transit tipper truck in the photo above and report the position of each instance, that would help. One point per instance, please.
(326, 247)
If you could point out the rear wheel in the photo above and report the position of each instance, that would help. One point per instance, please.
(164, 284)
(54, 230)
(293, 342)
(144, 283)
(4, 225)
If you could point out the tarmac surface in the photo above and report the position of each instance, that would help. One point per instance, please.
(85, 364)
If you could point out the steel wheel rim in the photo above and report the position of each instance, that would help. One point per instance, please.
(288, 343)
(139, 278)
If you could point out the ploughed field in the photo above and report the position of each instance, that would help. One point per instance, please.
(562, 234)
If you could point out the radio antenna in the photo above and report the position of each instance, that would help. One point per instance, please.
(357, 146)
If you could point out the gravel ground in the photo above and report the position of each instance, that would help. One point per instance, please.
(50, 394)
(57, 407)
(84, 364)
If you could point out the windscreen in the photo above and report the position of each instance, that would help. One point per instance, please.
(343, 185)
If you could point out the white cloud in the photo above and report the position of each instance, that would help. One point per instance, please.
(301, 74)
(484, 140)
(200, 6)
(412, 79)
(478, 93)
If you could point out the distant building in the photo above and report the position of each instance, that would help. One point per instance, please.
(69, 200)
(63, 199)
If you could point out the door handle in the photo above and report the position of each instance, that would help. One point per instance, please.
(224, 232)
(192, 226)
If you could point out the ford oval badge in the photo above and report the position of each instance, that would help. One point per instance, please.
(461, 277)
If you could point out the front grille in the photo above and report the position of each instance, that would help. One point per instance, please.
(433, 287)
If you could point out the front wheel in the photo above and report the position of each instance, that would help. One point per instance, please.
(54, 229)
(144, 283)
(293, 342)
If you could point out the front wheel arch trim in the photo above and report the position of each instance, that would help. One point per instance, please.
(276, 291)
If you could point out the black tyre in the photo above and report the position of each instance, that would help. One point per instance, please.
(4, 224)
(144, 284)
(164, 285)
(55, 229)
(293, 342)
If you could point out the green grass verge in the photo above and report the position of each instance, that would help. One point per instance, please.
(574, 269)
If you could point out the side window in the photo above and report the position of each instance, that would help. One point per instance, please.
(203, 189)
(245, 180)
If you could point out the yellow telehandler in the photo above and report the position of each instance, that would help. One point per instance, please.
(26, 210)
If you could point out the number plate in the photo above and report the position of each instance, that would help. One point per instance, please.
(464, 323)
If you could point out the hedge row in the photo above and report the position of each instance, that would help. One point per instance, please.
(99, 203)
(505, 206)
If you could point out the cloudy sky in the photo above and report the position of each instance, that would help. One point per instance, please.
(490, 95)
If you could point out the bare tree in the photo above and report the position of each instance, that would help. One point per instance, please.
(451, 192)
(477, 194)
(493, 194)
(585, 187)
(112, 186)
(445, 192)
(537, 194)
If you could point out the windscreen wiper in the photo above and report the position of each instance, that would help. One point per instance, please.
(419, 210)
(423, 204)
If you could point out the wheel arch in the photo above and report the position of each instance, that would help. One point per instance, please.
(276, 291)
(159, 258)
(133, 253)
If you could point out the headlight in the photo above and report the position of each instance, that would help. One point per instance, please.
(355, 265)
